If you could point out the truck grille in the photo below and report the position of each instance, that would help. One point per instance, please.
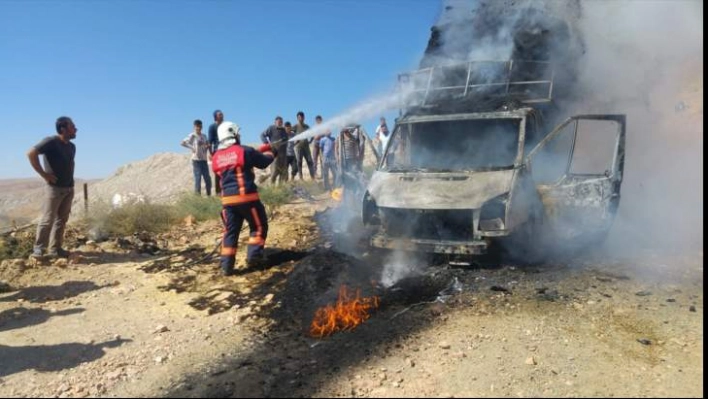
(428, 224)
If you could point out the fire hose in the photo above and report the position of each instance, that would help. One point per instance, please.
(209, 257)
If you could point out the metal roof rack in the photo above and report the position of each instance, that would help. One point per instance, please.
(527, 81)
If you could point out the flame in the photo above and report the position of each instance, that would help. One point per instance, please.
(337, 194)
(346, 314)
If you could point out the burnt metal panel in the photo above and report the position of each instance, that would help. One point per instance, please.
(472, 247)
(438, 190)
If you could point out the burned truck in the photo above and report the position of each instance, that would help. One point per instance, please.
(481, 156)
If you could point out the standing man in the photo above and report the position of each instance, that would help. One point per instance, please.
(383, 135)
(214, 144)
(316, 147)
(350, 149)
(290, 151)
(302, 147)
(329, 160)
(198, 144)
(234, 164)
(275, 134)
(58, 172)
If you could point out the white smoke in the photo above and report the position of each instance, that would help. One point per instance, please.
(365, 110)
(400, 265)
(639, 58)
(644, 59)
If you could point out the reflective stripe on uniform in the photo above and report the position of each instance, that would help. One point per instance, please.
(228, 251)
(256, 241)
(258, 238)
(239, 199)
(241, 182)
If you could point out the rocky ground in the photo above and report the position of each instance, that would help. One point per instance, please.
(142, 316)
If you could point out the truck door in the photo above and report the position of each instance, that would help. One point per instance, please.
(578, 170)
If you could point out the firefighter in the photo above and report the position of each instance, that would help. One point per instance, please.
(234, 164)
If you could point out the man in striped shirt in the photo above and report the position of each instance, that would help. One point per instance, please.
(199, 145)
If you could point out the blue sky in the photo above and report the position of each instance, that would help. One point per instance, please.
(134, 74)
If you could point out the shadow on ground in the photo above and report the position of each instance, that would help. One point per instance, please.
(24, 317)
(43, 358)
(48, 293)
(282, 360)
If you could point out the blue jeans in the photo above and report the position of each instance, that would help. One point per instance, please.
(329, 166)
(201, 170)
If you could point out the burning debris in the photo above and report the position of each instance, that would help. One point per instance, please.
(346, 314)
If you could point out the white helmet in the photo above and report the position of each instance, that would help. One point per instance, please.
(229, 134)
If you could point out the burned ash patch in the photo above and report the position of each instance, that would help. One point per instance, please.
(315, 282)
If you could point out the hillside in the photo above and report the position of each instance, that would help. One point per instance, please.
(21, 199)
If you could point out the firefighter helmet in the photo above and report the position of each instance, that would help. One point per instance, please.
(229, 134)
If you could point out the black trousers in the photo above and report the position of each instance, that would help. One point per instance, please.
(233, 216)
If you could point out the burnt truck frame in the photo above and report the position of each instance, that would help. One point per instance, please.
(540, 196)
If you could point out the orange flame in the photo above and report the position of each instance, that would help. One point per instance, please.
(337, 194)
(346, 314)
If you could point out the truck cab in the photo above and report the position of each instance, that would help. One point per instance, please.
(464, 170)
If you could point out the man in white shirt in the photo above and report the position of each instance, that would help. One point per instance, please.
(383, 135)
(198, 144)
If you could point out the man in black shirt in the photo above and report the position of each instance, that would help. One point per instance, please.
(302, 147)
(214, 143)
(58, 172)
(276, 135)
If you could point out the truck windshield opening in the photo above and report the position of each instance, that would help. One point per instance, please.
(456, 145)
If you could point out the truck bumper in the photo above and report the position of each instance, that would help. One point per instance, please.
(430, 246)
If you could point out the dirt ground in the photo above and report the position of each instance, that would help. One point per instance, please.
(115, 322)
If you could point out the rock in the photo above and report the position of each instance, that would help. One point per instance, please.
(691, 308)
(114, 375)
(160, 329)
(644, 341)
(643, 293)
(61, 262)
(444, 345)
(410, 362)
(531, 361)
(437, 309)
(189, 221)
(223, 297)
(160, 359)
(63, 388)
(498, 288)
(268, 298)
(76, 258)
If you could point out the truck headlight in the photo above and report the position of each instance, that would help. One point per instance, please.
(369, 210)
(493, 213)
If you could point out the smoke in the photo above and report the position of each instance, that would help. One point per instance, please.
(644, 59)
(400, 265)
(366, 109)
(639, 58)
